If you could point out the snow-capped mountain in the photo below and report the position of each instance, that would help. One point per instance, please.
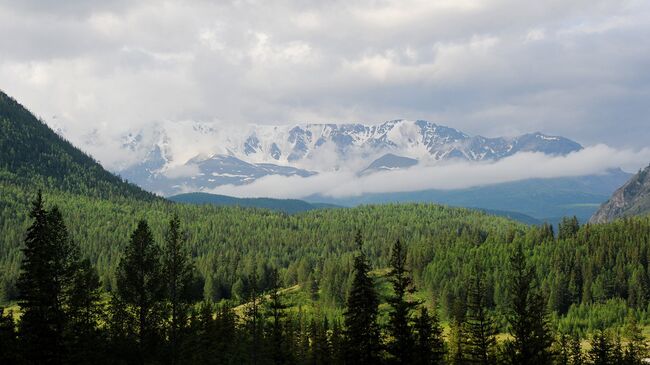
(191, 156)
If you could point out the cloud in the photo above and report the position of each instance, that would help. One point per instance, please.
(445, 175)
(574, 68)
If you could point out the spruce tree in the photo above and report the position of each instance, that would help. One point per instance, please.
(481, 329)
(360, 317)
(429, 346)
(84, 338)
(47, 270)
(179, 274)
(637, 348)
(276, 313)
(576, 355)
(527, 316)
(320, 348)
(254, 320)
(601, 351)
(8, 338)
(337, 343)
(458, 333)
(400, 347)
(140, 286)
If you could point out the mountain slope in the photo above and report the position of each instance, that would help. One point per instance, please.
(32, 155)
(633, 198)
(289, 206)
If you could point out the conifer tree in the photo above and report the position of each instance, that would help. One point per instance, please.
(320, 347)
(576, 355)
(179, 273)
(254, 320)
(8, 338)
(337, 344)
(276, 312)
(601, 351)
(84, 339)
(637, 348)
(140, 286)
(401, 344)
(361, 329)
(481, 329)
(458, 333)
(429, 346)
(47, 270)
(527, 317)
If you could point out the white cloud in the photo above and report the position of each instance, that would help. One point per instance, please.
(445, 175)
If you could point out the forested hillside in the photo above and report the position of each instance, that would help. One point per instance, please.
(32, 155)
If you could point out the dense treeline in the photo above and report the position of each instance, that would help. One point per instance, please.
(154, 317)
(592, 276)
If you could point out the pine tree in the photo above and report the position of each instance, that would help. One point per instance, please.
(276, 312)
(429, 346)
(140, 286)
(576, 355)
(361, 329)
(637, 348)
(179, 273)
(527, 317)
(47, 271)
(568, 228)
(337, 344)
(601, 349)
(399, 328)
(85, 311)
(320, 347)
(481, 330)
(254, 320)
(8, 338)
(458, 333)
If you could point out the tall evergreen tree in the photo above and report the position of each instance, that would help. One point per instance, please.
(337, 343)
(254, 320)
(576, 355)
(47, 270)
(363, 343)
(140, 286)
(401, 342)
(458, 333)
(179, 274)
(637, 348)
(276, 312)
(527, 316)
(429, 346)
(83, 336)
(601, 351)
(8, 338)
(481, 329)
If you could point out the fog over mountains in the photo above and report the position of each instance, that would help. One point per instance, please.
(204, 157)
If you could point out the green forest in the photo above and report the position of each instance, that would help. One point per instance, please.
(408, 284)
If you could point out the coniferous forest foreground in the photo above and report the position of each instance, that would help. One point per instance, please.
(408, 284)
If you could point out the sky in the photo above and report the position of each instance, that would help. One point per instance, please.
(95, 69)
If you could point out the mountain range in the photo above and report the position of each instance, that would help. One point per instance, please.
(207, 157)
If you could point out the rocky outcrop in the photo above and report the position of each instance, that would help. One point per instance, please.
(633, 198)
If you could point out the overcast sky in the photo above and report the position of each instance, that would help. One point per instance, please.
(580, 69)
